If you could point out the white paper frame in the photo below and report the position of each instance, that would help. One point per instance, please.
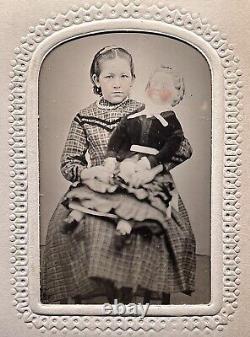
(225, 151)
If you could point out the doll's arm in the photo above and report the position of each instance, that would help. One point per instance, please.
(171, 145)
(73, 159)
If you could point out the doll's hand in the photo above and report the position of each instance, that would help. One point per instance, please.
(127, 169)
(142, 177)
(143, 164)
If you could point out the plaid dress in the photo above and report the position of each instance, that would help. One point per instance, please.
(83, 262)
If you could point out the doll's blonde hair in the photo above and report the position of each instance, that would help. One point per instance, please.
(178, 82)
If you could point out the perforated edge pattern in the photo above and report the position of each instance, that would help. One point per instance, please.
(148, 10)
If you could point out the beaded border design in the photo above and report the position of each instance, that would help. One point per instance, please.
(136, 9)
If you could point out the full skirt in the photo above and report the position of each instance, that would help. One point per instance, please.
(80, 263)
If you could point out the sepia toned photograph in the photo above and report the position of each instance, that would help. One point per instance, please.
(125, 171)
(123, 161)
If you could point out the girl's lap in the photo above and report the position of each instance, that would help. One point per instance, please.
(133, 264)
(143, 262)
(74, 263)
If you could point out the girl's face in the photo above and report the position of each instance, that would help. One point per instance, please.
(115, 79)
(161, 90)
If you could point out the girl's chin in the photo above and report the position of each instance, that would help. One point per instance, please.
(116, 100)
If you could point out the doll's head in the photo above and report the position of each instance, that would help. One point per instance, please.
(165, 87)
(112, 74)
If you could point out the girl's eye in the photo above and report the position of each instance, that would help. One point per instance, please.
(109, 76)
(124, 76)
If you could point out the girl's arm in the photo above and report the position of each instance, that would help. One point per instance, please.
(73, 159)
(183, 153)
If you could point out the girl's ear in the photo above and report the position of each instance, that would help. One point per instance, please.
(96, 80)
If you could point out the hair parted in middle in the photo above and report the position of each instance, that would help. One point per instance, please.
(178, 82)
(108, 53)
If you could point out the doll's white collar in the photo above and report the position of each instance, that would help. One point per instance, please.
(156, 115)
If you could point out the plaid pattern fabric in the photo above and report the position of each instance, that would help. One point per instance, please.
(143, 264)
(78, 263)
(73, 264)
(90, 130)
(183, 153)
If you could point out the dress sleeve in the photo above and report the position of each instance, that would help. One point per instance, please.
(172, 143)
(73, 159)
(183, 153)
(119, 140)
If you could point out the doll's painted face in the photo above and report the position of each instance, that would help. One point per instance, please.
(160, 89)
(115, 79)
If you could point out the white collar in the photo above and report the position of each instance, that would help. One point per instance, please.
(142, 113)
(104, 104)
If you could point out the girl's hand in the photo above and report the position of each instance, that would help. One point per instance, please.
(87, 173)
(100, 173)
(110, 164)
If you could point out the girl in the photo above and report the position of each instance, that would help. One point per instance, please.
(154, 135)
(86, 263)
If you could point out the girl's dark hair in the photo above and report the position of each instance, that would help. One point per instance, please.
(108, 53)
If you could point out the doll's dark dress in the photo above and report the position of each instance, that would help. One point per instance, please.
(149, 132)
(81, 263)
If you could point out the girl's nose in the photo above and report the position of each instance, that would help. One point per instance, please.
(116, 83)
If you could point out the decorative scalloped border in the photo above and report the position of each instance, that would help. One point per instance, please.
(112, 9)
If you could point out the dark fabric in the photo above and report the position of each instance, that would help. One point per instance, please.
(149, 202)
(147, 132)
